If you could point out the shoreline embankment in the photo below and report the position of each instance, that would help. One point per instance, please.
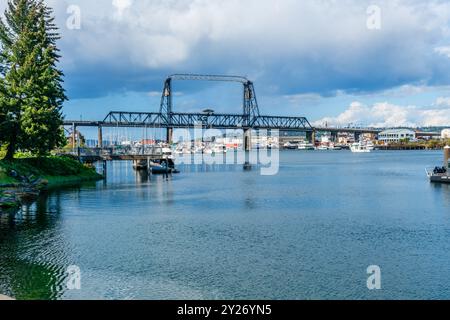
(25, 178)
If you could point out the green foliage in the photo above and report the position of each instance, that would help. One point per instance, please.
(45, 166)
(56, 170)
(31, 91)
(2, 151)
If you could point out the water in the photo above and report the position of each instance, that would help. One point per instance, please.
(217, 232)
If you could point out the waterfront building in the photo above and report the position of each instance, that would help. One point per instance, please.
(396, 135)
(445, 134)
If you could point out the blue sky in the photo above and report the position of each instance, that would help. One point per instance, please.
(332, 61)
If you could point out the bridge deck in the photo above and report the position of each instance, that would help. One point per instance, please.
(111, 154)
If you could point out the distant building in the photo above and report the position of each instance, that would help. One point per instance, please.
(396, 135)
(147, 142)
(445, 134)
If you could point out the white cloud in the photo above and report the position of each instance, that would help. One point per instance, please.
(121, 6)
(293, 47)
(444, 51)
(260, 34)
(443, 102)
(384, 114)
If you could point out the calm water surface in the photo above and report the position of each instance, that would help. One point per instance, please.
(216, 232)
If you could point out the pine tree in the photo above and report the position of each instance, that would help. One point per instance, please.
(31, 94)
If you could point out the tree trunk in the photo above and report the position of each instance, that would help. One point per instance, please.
(11, 150)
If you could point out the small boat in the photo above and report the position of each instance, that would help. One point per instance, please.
(359, 147)
(306, 146)
(370, 146)
(322, 148)
(219, 149)
(160, 170)
(290, 146)
(441, 174)
(335, 148)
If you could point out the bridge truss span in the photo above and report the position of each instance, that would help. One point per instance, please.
(282, 123)
(133, 119)
(213, 121)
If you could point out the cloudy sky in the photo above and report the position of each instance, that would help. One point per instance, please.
(381, 63)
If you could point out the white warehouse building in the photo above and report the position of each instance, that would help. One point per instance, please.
(396, 135)
(445, 134)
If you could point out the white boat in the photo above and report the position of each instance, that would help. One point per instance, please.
(335, 148)
(220, 148)
(370, 146)
(322, 148)
(306, 146)
(359, 147)
(290, 145)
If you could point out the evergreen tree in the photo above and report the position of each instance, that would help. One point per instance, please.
(31, 94)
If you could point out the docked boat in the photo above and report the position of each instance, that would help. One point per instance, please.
(160, 169)
(335, 148)
(290, 146)
(441, 174)
(306, 146)
(370, 146)
(218, 149)
(322, 148)
(359, 147)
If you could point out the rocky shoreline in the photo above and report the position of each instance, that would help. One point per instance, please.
(12, 196)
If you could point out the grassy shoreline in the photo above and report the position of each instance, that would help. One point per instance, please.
(37, 174)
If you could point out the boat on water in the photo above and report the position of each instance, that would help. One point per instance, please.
(360, 147)
(290, 146)
(370, 145)
(322, 148)
(161, 169)
(441, 174)
(220, 148)
(306, 146)
(335, 148)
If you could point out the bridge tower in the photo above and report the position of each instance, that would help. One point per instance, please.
(166, 109)
(251, 113)
(250, 107)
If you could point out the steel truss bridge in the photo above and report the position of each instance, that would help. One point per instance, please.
(167, 118)
(249, 119)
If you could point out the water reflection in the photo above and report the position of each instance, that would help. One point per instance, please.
(24, 237)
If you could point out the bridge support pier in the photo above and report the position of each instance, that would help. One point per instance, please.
(169, 135)
(311, 137)
(358, 136)
(74, 136)
(334, 137)
(248, 139)
(105, 168)
(100, 137)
